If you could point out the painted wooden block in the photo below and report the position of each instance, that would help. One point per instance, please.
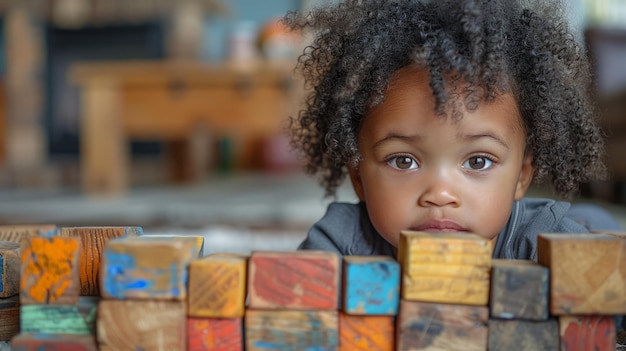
(523, 335)
(9, 317)
(217, 286)
(587, 274)
(146, 268)
(9, 269)
(53, 342)
(293, 280)
(582, 333)
(366, 333)
(49, 271)
(445, 267)
(61, 319)
(141, 325)
(93, 240)
(371, 285)
(199, 240)
(291, 330)
(434, 326)
(519, 290)
(214, 334)
(15, 233)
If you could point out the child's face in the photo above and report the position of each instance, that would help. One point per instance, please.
(422, 172)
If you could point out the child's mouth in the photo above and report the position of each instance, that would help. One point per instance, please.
(439, 226)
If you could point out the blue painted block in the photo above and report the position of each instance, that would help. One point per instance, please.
(146, 268)
(371, 285)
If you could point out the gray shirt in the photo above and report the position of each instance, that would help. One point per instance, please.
(347, 230)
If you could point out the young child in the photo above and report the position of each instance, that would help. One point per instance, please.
(443, 113)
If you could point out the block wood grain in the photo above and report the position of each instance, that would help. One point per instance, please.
(582, 333)
(53, 342)
(199, 240)
(215, 334)
(293, 280)
(434, 326)
(217, 286)
(9, 269)
(61, 319)
(93, 240)
(366, 333)
(9, 317)
(291, 330)
(146, 268)
(141, 325)
(523, 335)
(587, 273)
(15, 233)
(519, 290)
(446, 267)
(371, 285)
(49, 271)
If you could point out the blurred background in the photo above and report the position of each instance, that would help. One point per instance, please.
(169, 114)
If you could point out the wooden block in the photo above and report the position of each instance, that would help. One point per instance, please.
(92, 241)
(141, 325)
(521, 335)
(293, 280)
(53, 342)
(446, 267)
(519, 290)
(587, 274)
(49, 271)
(371, 285)
(217, 286)
(61, 319)
(366, 333)
(433, 326)
(146, 268)
(9, 317)
(214, 334)
(582, 333)
(9, 268)
(291, 330)
(15, 233)
(199, 240)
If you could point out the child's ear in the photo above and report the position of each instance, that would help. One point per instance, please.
(525, 176)
(355, 179)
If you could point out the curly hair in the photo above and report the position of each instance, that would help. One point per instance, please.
(494, 46)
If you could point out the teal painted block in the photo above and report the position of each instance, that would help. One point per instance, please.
(371, 285)
(61, 319)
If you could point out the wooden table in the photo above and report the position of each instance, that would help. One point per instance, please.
(173, 101)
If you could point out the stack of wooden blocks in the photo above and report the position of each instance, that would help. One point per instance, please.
(116, 289)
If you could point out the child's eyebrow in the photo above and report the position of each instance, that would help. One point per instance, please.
(401, 137)
(489, 135)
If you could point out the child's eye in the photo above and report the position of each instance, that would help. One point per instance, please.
(402, 162)
(477, 163)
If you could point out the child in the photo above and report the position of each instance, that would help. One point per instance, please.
(443, 113)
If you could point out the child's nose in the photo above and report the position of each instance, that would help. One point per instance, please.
(439, 190)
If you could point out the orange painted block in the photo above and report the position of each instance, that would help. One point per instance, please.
(217, 286)
(15, 233)
(49, 271)
(214, 334)
(366, 333)
(141, 325)
(294, 280)
(93, 240)
(582, 333)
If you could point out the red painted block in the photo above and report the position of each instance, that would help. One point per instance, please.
(53, 342)
(214, 334)
(582, 333)
(294, 280)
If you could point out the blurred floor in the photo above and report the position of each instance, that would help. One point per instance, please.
(236, 213)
